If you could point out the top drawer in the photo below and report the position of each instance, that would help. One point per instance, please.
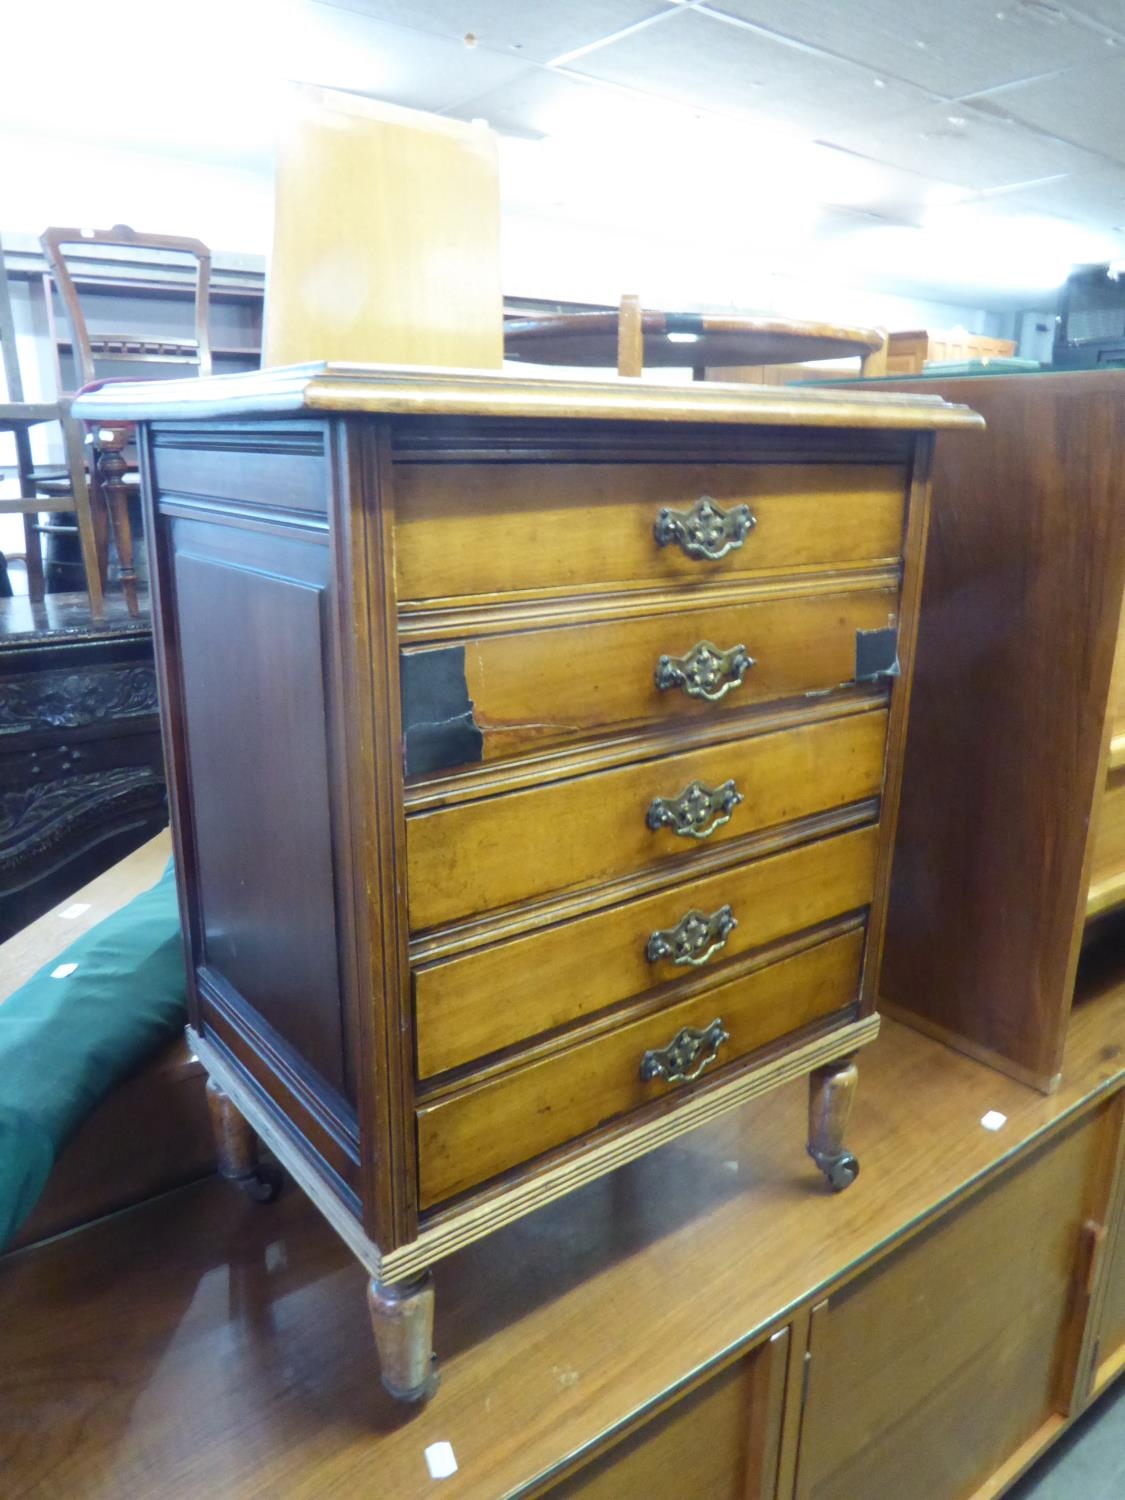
(464, 530)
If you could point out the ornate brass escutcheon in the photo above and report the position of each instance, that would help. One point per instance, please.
(695, 938)
(705, 672)
(706, 531)
(686, 1055)
(697, 811)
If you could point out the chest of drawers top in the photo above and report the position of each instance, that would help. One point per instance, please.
(533, 748)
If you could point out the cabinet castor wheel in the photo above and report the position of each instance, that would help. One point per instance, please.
(264, 1184)
(840, 1171)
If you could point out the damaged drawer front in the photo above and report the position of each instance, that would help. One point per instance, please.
(585, 830)
(465, 530)
(509, 692)
(468, 1137)
(494, 997)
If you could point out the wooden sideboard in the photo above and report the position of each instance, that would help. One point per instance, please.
(647, 1338)
(556, 763)
(1010, 850)
(81, 769)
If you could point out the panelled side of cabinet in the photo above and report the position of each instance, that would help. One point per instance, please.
(1020, 613)
(250, 635)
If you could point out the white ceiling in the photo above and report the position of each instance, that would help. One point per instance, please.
(994, 120)
(944, 146)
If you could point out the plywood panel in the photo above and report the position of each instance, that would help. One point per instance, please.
(386, 238)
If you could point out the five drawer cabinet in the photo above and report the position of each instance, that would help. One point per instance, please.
(535, 756)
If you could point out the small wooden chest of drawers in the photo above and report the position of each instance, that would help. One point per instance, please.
(534, 751)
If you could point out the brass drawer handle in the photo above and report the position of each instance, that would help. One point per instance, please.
(705, 672)
(697, 811)
(706, 531)
(695, 938)
(686, 1055)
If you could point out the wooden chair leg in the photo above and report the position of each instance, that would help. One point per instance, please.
(630, 337)
(237, 1148)
(109, 446)
(33, 557)
(33, 541)
(831, 1092)
(83, 512)
(874, 365)
(402, 1319)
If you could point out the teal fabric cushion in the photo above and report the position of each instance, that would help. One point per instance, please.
(66, 1042)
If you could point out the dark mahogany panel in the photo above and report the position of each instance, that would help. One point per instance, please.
(252, 625)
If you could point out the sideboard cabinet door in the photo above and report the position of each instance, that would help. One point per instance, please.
(953, 1360)
(1107, 1356)
(721, 1440)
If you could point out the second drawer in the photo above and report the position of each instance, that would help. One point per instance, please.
(481, 855)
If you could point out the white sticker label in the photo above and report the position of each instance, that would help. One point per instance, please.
(64, 971)
(993, 1120)
(74, 910)
(440, 1460)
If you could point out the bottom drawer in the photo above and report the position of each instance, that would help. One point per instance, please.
(468, 1137)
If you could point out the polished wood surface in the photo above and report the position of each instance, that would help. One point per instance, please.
(487, 1127)
(205, 1345)
(929, 1371)
(426, 1086)
(459, 859)
(493, 528)
(368, 200)
(492, 997)
(1025, 573)
(534, 688)
(349, 388)
(721, 1440)
(697, 340)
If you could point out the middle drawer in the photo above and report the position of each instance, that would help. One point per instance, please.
(521, 845)
(490, 998)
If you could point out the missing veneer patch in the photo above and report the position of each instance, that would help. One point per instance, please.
(438, 727)
(876, 654)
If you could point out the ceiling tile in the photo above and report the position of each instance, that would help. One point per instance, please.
(544, 101)
(701, 60)
(1095, 198)
(1084, 105)
(953, 48)
(342, 49)
(964, 146)
(1107, 13)
(537, 31)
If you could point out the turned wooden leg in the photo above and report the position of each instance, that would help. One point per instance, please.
(109, 446)
(831, 1092)
(237, 1148)
(402, 1316)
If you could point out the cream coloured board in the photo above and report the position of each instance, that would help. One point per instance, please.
(386, 240)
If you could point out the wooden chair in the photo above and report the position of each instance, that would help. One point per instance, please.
(92, 354)
(386, 245)
(44, 493)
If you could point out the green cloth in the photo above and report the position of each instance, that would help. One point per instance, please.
(65, 1043)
